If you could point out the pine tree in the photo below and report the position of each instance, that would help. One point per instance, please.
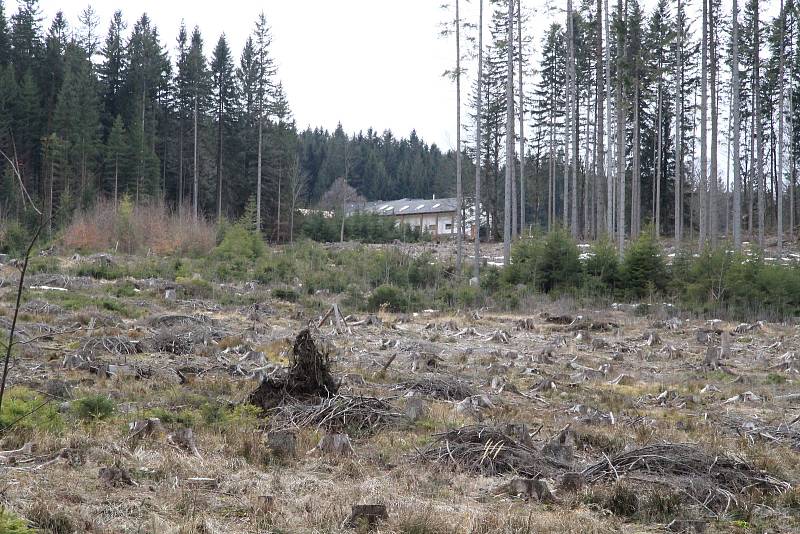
(5, 44)
(266, 70)
(111, 71)
(224, 95)
(197, 87)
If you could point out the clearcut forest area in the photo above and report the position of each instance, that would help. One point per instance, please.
(581, 318)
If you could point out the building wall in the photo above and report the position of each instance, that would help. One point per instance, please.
(436, 224)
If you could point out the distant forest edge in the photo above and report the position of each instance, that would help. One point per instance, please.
(682, 114)
(83, 117)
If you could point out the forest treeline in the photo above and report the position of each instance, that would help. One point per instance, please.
(681, 115)
(89, 111)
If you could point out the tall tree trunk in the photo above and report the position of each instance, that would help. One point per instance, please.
(478, 140)
(574, 115)
(600, 196)
(737, 124)
(636, 175)
(116, 178)
(703, 190)
(509, 134)
(522, 195)
(220, 112)
(609, 161)
(759, 127)
(792, 152)
(713, 193)
(659, 152)
(620, 132)
(567, 122)
(779, 188)
(587, 219)
(180, 168)
(278, 217)
(196, 184)
(459, 193)
(258, 169)
(679, 129)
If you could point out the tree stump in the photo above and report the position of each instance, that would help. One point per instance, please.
(282, 444)
(365, 515)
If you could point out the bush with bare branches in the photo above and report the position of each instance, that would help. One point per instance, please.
(139, 229)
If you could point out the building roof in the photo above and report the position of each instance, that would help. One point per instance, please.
(405, 206)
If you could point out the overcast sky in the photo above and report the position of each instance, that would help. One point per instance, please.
(364, 63)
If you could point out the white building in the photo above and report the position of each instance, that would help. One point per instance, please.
(434, 216)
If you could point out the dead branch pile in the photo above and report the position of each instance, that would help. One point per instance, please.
(784, 433)
(713, 480)
(110, 344)
(438, 387)
(182, 339)
(488, 451)
(40, 307)
(341, 413)
(173, 320)
(59, 280)
(308, 376)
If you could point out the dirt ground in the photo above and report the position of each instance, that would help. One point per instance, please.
(561, 420)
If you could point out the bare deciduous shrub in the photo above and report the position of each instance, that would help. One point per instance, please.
(139, 229)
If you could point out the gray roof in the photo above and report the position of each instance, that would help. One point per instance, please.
(405, 206)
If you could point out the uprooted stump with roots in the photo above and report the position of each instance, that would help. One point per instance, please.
(308, 377)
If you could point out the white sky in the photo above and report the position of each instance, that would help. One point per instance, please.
(364, 63)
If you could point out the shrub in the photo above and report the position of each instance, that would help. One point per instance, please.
(644, 269)
(14, 238)
(287, 294)
(94, 408)
(11, 524)
(393, 299)
(28, 411)
(238, 242)
(140, 229)
(603, 268)
(546, 264)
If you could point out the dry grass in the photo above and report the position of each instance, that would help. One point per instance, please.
(313, 492)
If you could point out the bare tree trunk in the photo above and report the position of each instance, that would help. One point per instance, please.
(587, 219)
(509, 134)
(759, 129)
(752, 171)
(600, 196)
(459, 193)
(196, 184)
(679, 130)
(116, 179)
(779, 188)
(713, 223)
(737, 124)
(792, 155)
(219, 160)
(659, 153)
(180, 169)
(278, 218)
(609, 161)
(703, 212)
(570, 158)
(478, 139)
(522, 196)
(636, 175)
(258, 172)
(620, 134)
